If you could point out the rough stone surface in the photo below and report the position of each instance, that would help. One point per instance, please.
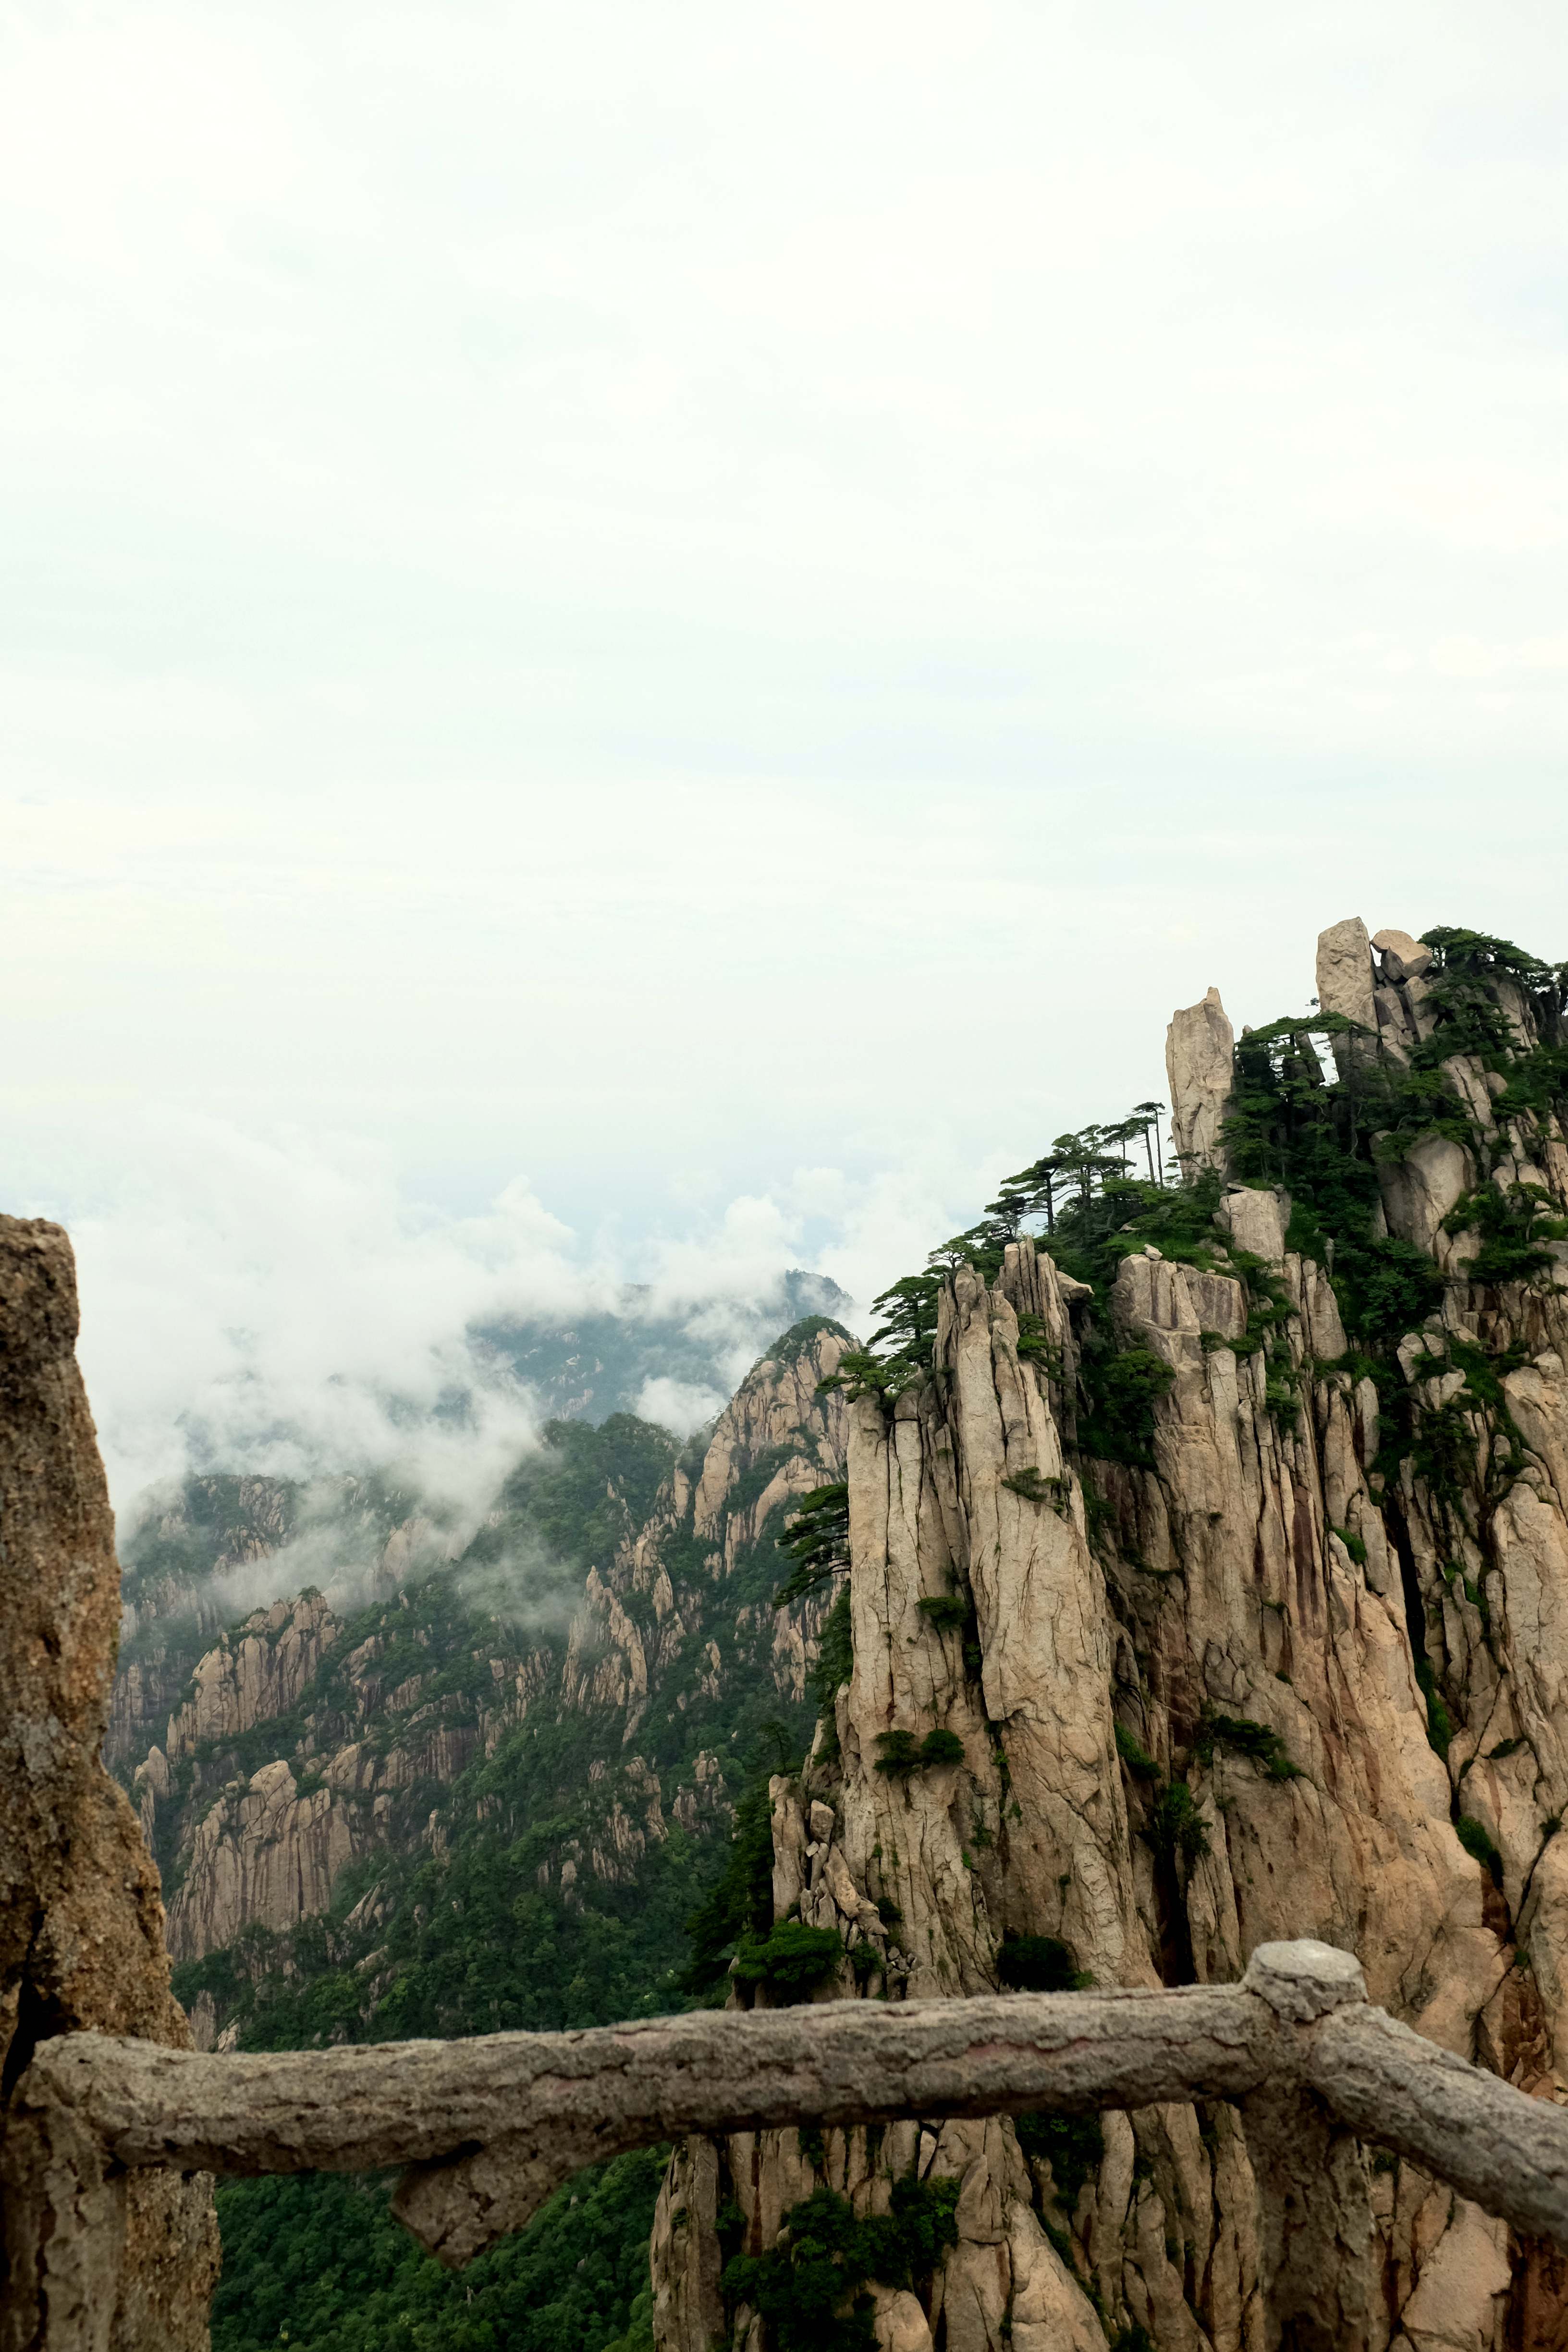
(1199, 1044)
(81, 1924)
(1344, 971)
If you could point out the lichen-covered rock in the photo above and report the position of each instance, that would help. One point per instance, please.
(82, 1941)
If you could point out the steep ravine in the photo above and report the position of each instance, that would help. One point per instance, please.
(1223, 1531)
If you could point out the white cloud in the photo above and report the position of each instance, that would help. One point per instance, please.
(252, 1304)
(272, 1306)
(664, 606)
(679, 1405)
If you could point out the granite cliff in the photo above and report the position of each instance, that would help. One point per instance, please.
(1207, 1584)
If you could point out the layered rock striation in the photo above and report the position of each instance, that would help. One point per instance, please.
(1208, 1587)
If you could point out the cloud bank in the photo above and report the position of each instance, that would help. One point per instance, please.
(275, 1306)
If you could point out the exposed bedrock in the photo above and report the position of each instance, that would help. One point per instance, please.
(81, 1922)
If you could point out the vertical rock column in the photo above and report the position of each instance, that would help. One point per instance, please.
(1199, 1050)
(126, 2266)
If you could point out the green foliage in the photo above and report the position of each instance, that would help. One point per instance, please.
(1354, 1544)
(1035, 1487)
(816, 1539)
(801, 1339)
(941, 1746)
(834, 1664)
(1037, 1346)
(1245, 1737)
(1458, 951)
(1473, 1836)
(790, 1960)
(1125, 1215)
(902, 1754)
(1515, 1226)
(1440, 1725)
(638, 2336)
(949, 1612)
(1134, 2338)
(1095, 1214)
(584, 1489)
(742, 1903)
(1073, 2146)
(315, 2260)
(1038, 1964)
(1290, 1125)
(1176, 1827)
(481, 1937)
(1136, 1758)
(808, 2288)
(1123, 1386)
(900, 1348)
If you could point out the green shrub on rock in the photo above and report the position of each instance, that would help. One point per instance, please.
(1038, 1964)
(791, 1961)
(808, 2288)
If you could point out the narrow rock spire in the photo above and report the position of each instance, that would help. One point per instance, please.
(1199, 1045)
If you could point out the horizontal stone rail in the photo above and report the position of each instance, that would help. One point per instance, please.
(487, 2128)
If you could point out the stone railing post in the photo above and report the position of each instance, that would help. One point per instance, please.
(1314, 2210)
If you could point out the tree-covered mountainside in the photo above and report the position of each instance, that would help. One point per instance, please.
(490, 1797)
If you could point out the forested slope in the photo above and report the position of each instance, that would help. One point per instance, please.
(490, 1797)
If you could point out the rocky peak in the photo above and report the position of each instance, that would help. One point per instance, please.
(1199, 1047)
(1218, 1600)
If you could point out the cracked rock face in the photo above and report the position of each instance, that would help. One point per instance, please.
(1263, 1576)
(81, 1923)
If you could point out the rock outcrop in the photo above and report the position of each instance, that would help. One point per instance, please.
(1199, 1045)
(81, 1924)
(1292, 1662)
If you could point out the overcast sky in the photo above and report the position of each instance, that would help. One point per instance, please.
(710, 614)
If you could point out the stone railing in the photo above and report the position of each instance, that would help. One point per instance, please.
(487, 2128)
